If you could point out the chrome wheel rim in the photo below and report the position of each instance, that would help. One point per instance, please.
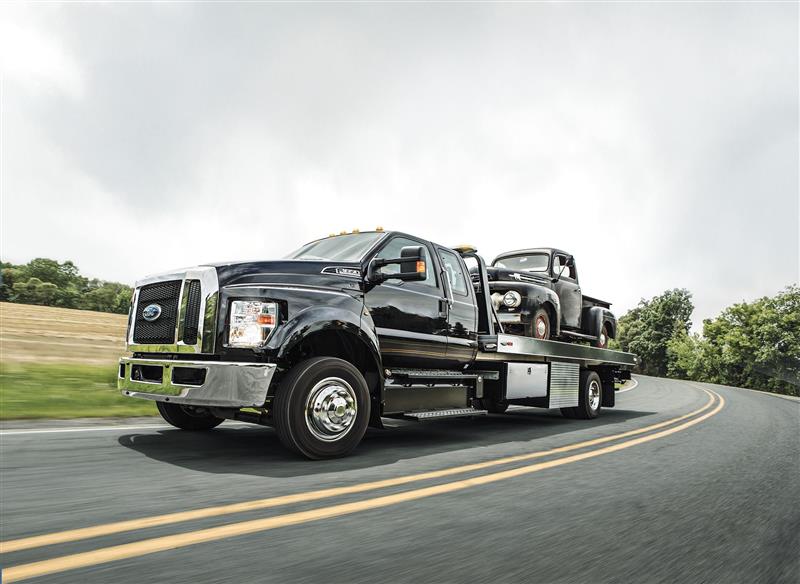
(603, 339)
(541, 327)
(594, 394)
(331, 409)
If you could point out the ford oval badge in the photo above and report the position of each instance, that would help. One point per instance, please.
(151, 312)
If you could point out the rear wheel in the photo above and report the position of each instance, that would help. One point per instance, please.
(321, 408)
(490, 405)
(539, 327)
(590, 397)
(188, 417)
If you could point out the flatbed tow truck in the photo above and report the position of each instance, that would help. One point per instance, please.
(346, 331)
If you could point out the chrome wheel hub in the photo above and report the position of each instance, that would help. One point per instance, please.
(331, 409)
(594, 395)
(541, 328)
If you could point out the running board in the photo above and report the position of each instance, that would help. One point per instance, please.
(439, 414)
(579, 335)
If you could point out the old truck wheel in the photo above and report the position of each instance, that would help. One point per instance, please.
(602, 340)
(321, 408)
(188, 417)
(590, 397)
(539, 327)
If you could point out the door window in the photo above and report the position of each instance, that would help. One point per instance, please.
(392, 250)
(569, 271)
(455, 273)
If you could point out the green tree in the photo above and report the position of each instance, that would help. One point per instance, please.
(756, 344)
(647, 329)
(34, 291)
(107, 297)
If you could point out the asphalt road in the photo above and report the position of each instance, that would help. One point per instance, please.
(635, 496)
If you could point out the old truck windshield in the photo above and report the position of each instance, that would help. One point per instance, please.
(533, 262)
(338, 248)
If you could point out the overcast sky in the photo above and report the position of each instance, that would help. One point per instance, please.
(656, 142)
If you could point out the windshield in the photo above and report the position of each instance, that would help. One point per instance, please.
(533, 262)
(339, 248)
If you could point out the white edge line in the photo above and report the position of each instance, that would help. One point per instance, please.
(108, 429)
(635, 384)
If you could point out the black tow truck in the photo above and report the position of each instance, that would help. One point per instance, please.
(341, 333)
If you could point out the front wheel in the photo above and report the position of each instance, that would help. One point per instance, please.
(188, 417)
(539, 327)
(321, 408)
(590, 397)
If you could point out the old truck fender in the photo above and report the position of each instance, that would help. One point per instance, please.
(537, 297)
(594, 317)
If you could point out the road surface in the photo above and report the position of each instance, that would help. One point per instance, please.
(682, 482)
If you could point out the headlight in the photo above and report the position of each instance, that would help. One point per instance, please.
(251, 323)
(512, 299)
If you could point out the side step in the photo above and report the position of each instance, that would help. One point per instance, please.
(439, 414)
(578, 335)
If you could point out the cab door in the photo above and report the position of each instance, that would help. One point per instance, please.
(568, 290)
(462, 314)
(410, 317)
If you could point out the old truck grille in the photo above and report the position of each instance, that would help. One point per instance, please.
(165, 295)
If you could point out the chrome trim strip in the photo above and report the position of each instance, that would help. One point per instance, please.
(295, 287)
(525, 348)
(227, 384)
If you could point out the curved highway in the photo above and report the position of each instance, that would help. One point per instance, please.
(681, 482)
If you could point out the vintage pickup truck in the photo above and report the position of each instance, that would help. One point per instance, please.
(536, 293)
(341, 333)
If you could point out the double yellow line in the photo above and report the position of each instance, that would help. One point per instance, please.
(159, 544)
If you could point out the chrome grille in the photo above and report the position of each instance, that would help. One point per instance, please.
(188, 304)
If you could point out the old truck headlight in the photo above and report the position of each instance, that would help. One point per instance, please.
(512, 299)
(251, 323)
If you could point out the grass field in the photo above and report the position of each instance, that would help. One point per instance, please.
(62, 363)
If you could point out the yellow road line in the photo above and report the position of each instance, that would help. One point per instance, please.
(181, 516)
(160, 544)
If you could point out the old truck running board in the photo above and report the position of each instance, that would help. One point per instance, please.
(451, 413)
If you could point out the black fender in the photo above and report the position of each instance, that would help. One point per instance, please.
(594, 317)
(534, 297)
(306, 312)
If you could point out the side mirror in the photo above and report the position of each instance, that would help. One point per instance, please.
(412, 266)
(571, 262)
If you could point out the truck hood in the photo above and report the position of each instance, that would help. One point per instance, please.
(314, 273)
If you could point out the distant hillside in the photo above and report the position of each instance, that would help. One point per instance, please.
(60, 335)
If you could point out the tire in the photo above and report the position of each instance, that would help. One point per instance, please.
(590, 398)
(602, 340)
(539, 326)
(491, 406)
(188, 417)
(338, 422)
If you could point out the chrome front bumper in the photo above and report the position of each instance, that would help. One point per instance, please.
(509, 317)
(196, 383)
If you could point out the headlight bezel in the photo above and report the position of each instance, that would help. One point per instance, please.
(249, 326)
(515, 299)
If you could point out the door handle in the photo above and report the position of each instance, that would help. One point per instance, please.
(443, 307)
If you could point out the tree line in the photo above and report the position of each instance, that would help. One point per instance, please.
(49, 283)
(750, 344)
